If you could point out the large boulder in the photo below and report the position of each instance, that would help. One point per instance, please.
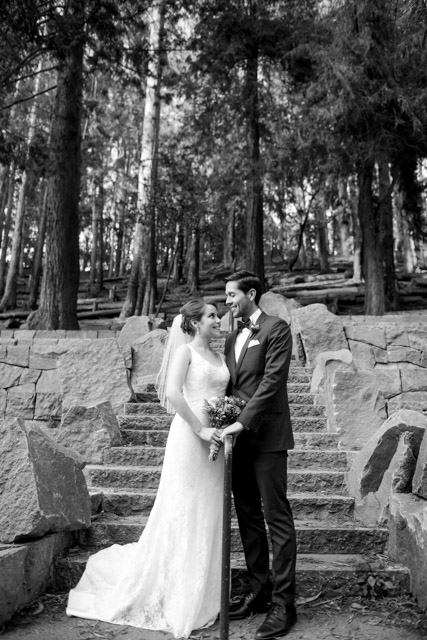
(135, 328)
(26, 570)
(328, 363)
(386, 465)
(274, 304)
(355, 407)
(147, 355)
(90, 431)
(42, 486)
(407, 542)
(419, 481)
(319, 330)
(93, 371)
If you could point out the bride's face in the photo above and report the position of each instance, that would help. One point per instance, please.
(209, 324)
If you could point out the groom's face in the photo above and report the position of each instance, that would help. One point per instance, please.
(240, 303)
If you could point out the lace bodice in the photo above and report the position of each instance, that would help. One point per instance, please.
(204, 380)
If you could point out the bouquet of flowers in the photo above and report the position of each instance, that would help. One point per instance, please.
(222, 411)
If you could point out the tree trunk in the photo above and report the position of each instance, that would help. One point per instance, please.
(372, 257)
(8, 300)
(122, 199)
(178, 263)
(254, 253)
(93, 286)
(60, 284)
(194, 262)
(7, 226)
(144, 241)
(4, 179)
(322, 238)
(385, 216)
(38, 256)
(229, 240)
(357, 233)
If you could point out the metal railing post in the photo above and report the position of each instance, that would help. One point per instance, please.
(226, 540)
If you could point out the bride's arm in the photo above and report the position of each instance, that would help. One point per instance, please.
(175, 381)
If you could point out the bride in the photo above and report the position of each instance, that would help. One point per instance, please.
(170, 579)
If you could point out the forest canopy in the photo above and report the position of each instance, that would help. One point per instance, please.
(163, 137)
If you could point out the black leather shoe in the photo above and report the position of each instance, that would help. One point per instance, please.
(253, 602)
(277, 623)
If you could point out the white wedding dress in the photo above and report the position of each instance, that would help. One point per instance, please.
(170, 579)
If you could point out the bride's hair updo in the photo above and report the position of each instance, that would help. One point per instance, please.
(192, 311)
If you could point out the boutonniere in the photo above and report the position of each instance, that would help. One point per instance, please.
(253, 328)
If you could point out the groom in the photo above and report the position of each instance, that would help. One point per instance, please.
(258, 355)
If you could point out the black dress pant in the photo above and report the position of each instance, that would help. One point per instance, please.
(259, 490)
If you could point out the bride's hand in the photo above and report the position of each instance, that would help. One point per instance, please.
(205, 433)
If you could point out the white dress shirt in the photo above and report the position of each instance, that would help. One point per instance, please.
(243, 335)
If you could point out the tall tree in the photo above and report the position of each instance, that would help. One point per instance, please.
(58, 299)
(141, 290)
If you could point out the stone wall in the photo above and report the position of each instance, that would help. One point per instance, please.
(29, 382)
(364, 368)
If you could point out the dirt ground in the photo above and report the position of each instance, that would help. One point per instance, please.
(321, 618)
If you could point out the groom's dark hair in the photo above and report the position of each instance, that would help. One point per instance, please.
(246, 280)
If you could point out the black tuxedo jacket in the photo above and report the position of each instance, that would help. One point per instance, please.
(260, 378)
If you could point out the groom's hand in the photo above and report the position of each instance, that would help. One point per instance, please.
(232, 430)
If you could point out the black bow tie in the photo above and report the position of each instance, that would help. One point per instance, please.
(247, 325)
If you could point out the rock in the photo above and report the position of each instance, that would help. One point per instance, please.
(363, 355)
(319, 331)
(405, 354)
(419, 481)
(414, 379)
(135, 328)
(415, 400)
(9, 375)
(48, 396)
(327, 363)
(274, 304)
(17, 354)
(21, 401)
(3, 400)
(90, 431)
(385, 465)
(42, 486)
(356, 407)
(44, 353)
(93, 371)
(26, 571)
(371, 335)
(408, 540)
(388, 378)
(396, 334)
(147, 355)
(30, 376)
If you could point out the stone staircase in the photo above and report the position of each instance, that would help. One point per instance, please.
(335, 554)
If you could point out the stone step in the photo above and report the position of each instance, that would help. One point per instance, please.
(306, 459)
(307, 505)
(148, 478)
(312, 536)
(131, 408)
(158, 438)
(344, 574)
(304, 422)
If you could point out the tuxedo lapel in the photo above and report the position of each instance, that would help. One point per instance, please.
(231, 361)
(260, 320)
